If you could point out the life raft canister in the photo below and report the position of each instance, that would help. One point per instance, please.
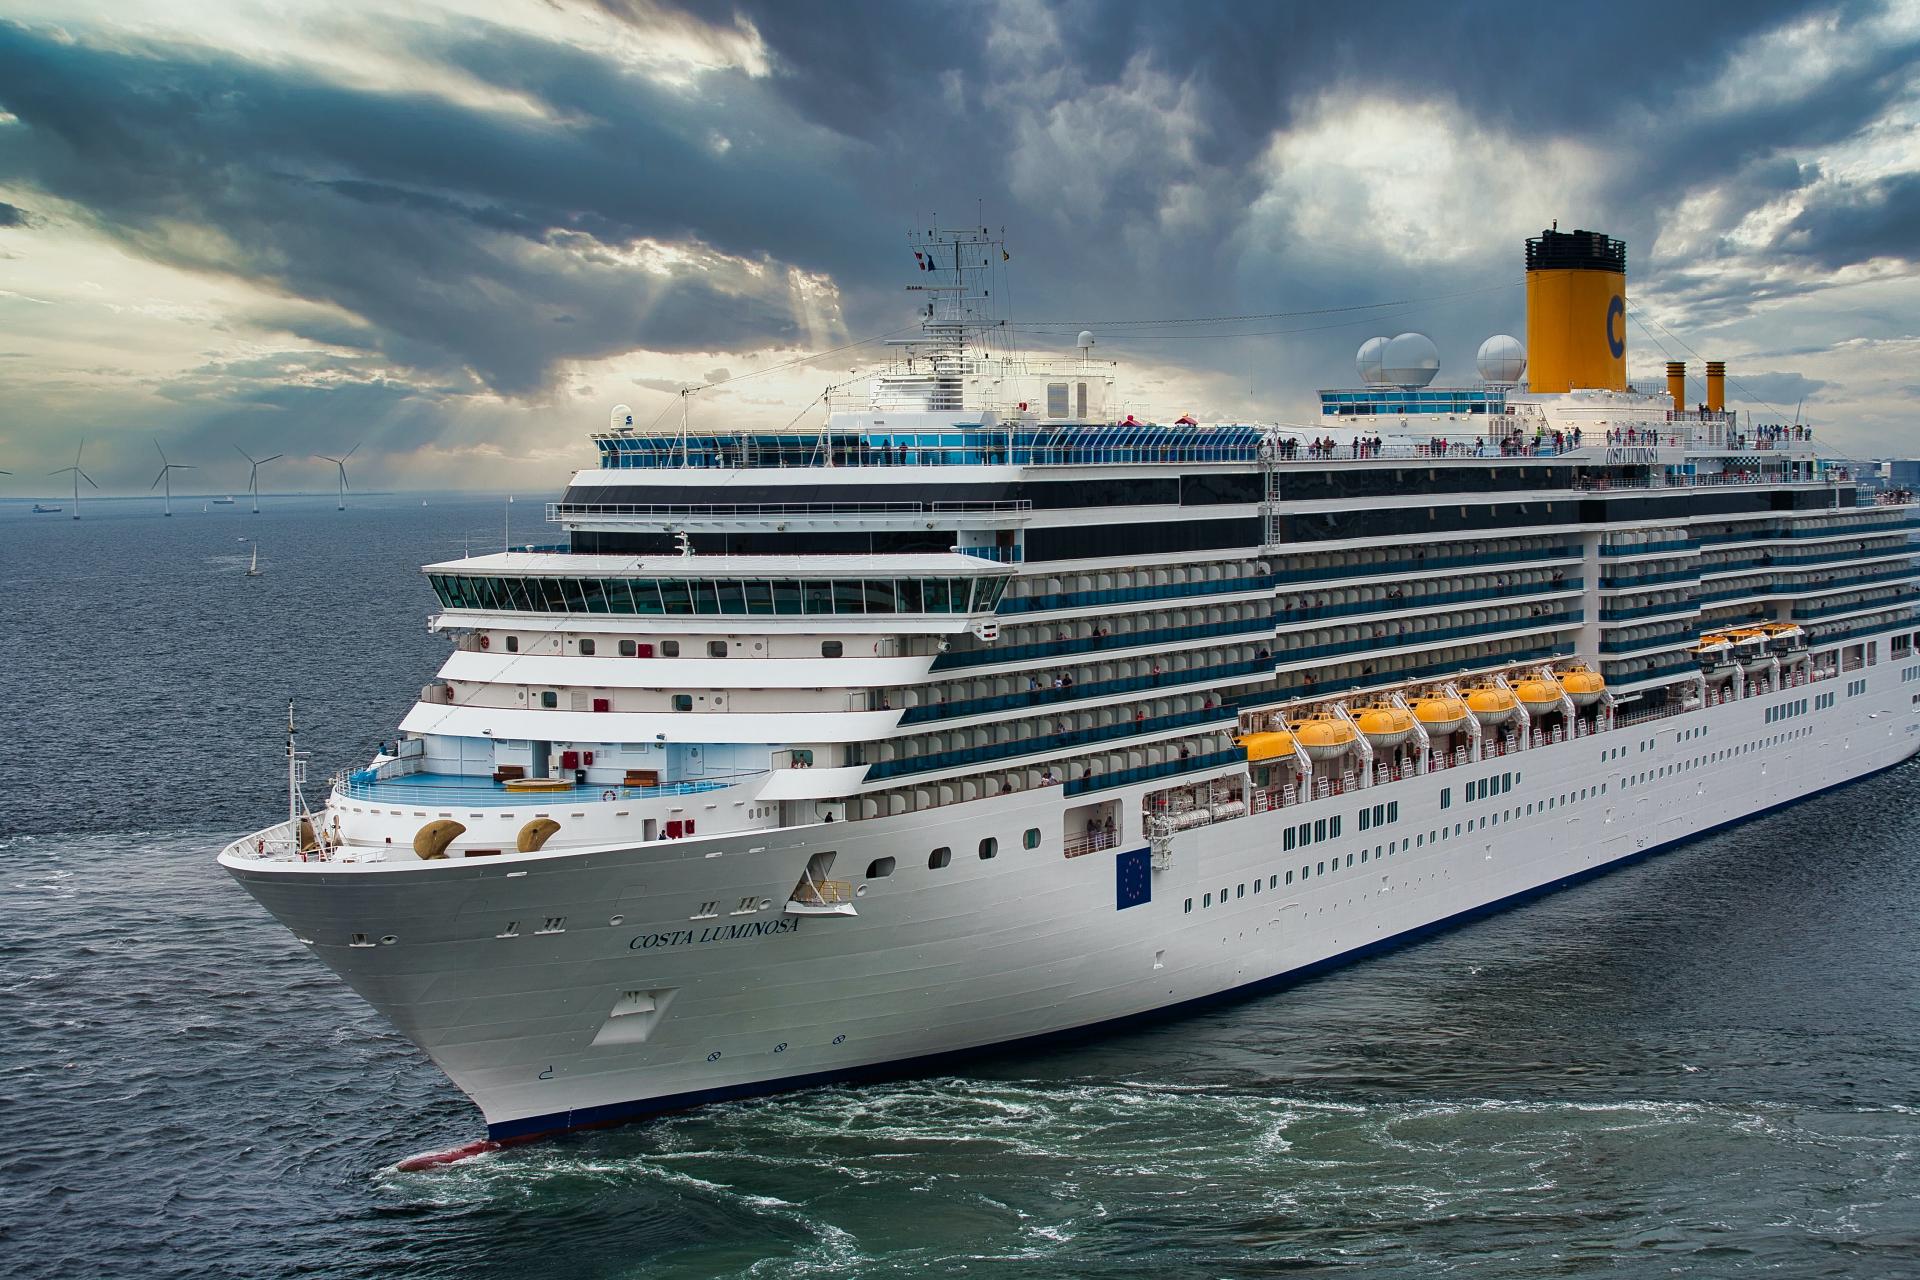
(486, 641)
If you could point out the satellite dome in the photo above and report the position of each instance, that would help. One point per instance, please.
(1501, 359)
(1410, 360)
(1085, 339)
(1370, 361)
(622, 416)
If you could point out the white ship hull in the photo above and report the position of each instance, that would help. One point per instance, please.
(748, 999)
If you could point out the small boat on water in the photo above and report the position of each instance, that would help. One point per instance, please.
(253, 566)
(223, 502)
(40, 510)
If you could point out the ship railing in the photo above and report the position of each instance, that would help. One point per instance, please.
(481, 790)
(278, 843)
(1092, 842)
(701, 511)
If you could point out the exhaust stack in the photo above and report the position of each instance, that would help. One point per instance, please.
(1677, 384)
(1576, 311)
(1716, 385)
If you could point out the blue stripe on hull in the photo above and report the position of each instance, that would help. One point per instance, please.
(613, 1113)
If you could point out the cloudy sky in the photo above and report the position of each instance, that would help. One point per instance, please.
(463, 233)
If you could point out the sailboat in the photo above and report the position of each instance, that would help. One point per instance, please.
(253, 566)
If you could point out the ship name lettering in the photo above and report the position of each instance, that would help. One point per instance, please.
(713, 933)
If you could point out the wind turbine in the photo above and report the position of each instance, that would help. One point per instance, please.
(340, 462)
(166, 473)
(78, 476)
(253, 476)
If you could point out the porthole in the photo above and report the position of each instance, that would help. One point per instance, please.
(988, 848)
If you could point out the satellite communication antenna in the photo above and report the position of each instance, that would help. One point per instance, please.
(166, 474)
(78, 476)
(341, 463)
(253, 476)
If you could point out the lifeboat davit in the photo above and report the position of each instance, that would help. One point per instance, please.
(1583, 685)
(1384, 725)
(1324, 738)
(1268, 746)
(1492, 705)
(1540, 697)
(1441, 715)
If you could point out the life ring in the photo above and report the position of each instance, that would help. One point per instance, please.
(486, 641)
(609, 794)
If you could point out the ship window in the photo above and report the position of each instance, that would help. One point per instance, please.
(1446, 797)
(989, 847)
(1206, 899)
(1286, 841)
(1056, 399)
(1306, 832)
(549, 699)
(1273, 882)
(513, 644)
(1364, 819)
(586, 648)
(1333, 827)
(1289, 877)
(669, 648)
(943, 855)
(628, 648)
(1320, 829)
(1241, 892)
(1320, 868)
(1393, 811)
(831, 649)
(1349, 859)
(1032, 839)
(879, 868)
(716, 648)
(1189, 906)
(683, 702)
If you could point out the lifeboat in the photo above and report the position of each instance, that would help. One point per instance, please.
(1784, 637)
(1750, 648)
(1384, 725)
(1714, 653)
(1268, 746)
(1492, 705)
(1540, 697)
(1583, 685)
(1323, 738)
(1441, 714)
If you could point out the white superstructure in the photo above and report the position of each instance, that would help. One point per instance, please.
(983, 712)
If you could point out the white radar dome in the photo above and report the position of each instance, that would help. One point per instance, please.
(1371, 361)
(1501, 359)
(1410, 360)
(622, 416)
(1085, 339)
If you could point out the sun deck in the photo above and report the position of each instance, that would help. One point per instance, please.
(482, 792)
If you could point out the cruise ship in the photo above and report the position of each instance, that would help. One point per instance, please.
(981, 712)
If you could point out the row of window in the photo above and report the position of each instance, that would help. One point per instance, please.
(677, 597)
(1380, 815)
(1787, 710)
(1714, 757)
(1821, 701)
(1311, 833)
(1497, 784)
(1856, 687)
(1435, 836)
(988, 848)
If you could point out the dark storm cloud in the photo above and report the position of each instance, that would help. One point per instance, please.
(1859, 221)
(475, 249)
(14, 215)
(402, 209)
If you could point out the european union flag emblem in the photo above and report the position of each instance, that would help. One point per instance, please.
(1132, 879)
